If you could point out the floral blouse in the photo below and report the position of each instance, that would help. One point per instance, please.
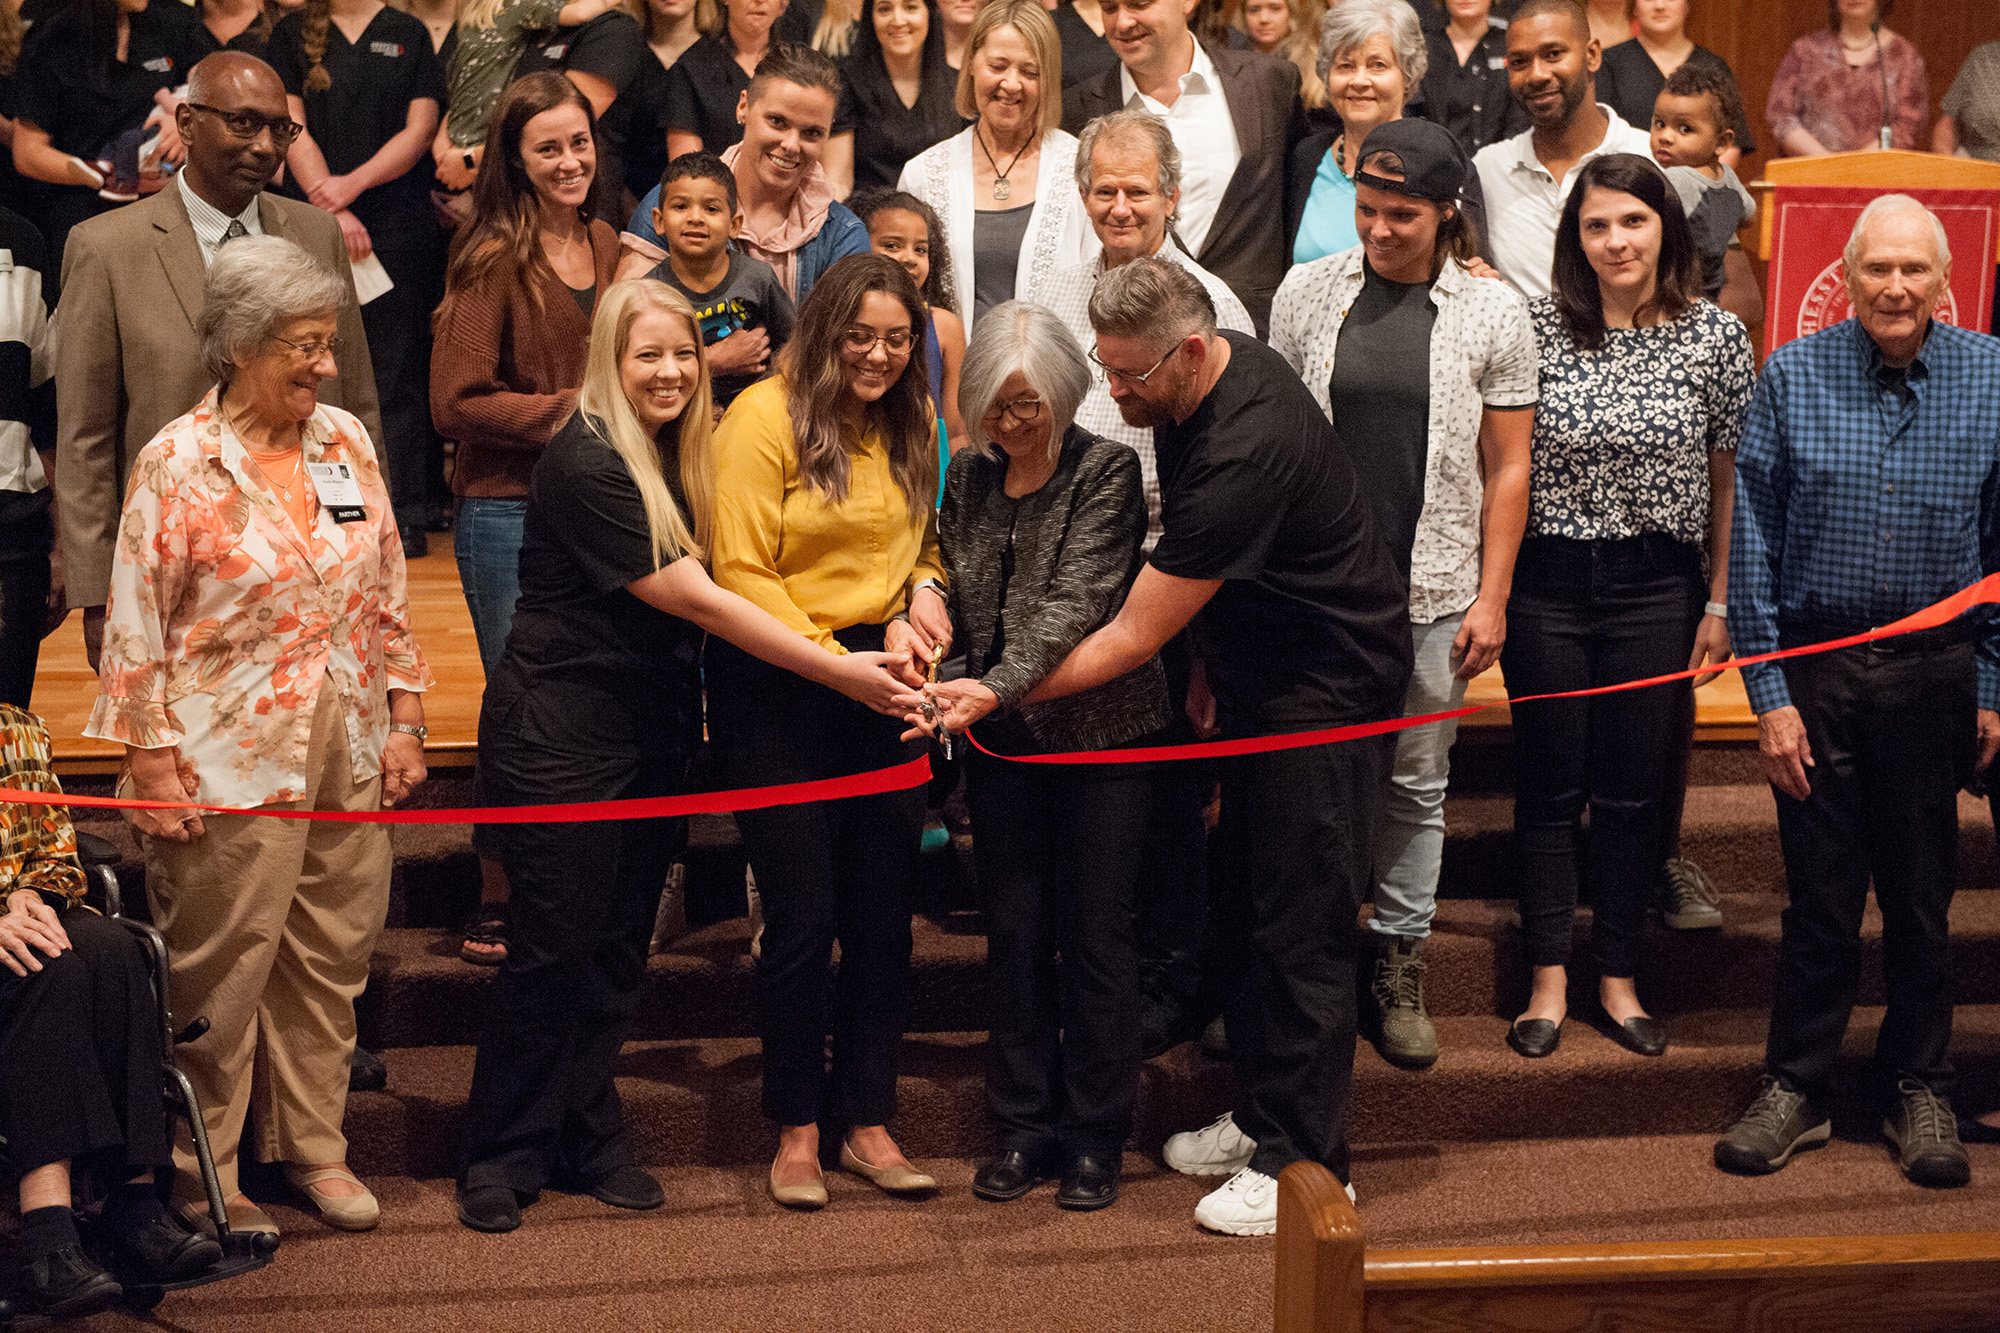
(223, 624)
(1623, 434)
(37, 842)
(1839, 104)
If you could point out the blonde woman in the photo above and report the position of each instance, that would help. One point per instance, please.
(597, 698)
(1006, 187)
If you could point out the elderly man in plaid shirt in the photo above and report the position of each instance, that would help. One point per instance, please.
(1868, 487)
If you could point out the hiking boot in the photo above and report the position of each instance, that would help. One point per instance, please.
(1778, 1124)
(1690, 901)
(1924, 1133)
(1408, 1039)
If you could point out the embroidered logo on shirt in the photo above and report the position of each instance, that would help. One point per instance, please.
(556, 51)
(159, 64)
(391, 49)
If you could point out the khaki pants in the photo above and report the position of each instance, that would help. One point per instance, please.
(270, 923)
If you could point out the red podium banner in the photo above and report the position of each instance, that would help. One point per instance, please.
(1808, 290)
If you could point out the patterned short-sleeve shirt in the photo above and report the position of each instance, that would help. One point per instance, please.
(1623, 434)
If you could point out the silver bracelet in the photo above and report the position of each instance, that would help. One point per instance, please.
(1717, 609)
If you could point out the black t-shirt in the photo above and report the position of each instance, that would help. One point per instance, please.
(888, 134)
(1381, 396)
(374, 82)
(583, 540)
(1630, 83)
(1085, 54)
(610, 46)
(702, 91)
(1471, 100)
(67, 85)
(1311, 626)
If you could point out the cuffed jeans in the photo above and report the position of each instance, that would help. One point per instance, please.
(1409, 842)
(487, 541)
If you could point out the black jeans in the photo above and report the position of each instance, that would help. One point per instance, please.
(543, 1104)
(827, 871)
(1893, 733)
(1058, 850)
(398, 324)
(27, 536)
(1587, 613)
(80, 1055)
(1297, 833)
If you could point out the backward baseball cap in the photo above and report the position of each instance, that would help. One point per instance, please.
(1429, 158)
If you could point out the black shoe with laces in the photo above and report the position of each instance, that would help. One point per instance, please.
(1924, 1133)
(1778, 1124)
(1404, 1033)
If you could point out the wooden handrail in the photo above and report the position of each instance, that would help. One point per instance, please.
(1526, 1265)
(1320, 1253)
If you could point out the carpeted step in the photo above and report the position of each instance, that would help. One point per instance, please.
(697, 1102)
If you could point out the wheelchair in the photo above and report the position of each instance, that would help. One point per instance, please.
(242, 1252)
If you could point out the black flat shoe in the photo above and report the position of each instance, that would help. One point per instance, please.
(150, 1244)
(65, 1284)
(1645, 1036)
(1970, 1130)
(490, 1208)
(1535, 1037)
(1007, 1177)
(628, 1187)
(1090, 1183)
(366, 1072)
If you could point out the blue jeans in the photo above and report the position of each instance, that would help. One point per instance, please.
(1409, 840)
(487, 541)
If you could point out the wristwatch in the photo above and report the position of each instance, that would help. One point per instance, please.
(420, 732)
(935, 586)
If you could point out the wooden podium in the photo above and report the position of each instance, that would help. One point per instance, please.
(1806, 207)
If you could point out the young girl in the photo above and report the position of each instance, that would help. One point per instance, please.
(491, 36)
(906, 229)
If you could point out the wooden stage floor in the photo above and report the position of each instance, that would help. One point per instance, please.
(65, 687)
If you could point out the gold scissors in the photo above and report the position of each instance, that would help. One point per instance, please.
(930, 705)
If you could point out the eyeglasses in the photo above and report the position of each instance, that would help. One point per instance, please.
(1128, 376)
(311, 352)
(860, 342)
(1021, 411)
(246, 124)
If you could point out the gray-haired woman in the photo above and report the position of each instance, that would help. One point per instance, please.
(1372, 58)
(257, 652)
(1040, 531)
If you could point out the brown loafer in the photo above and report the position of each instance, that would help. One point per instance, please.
(894, 1179)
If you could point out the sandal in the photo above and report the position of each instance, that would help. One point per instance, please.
(486, 938)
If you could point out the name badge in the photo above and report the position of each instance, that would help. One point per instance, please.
(391, 49)
(339, 491)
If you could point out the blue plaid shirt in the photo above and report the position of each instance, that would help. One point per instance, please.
(1859, 501)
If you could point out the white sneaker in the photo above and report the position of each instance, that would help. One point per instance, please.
(1220, 1150)
(1246, 1205)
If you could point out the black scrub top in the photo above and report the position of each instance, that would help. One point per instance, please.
(575, 627)
(702, 91)
(1630, 83)
(646, 124)
(1085, 54)
(610, 46)
(888, 134)
(62, 85)
(1471, 99)
(251, 41)
(374, 82)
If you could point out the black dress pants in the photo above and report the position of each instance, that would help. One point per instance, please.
(1297, 833)
(398, 324)
(1173, 865)
(1058, 850)
(1893, 733)
(1582, 614)
(27, 536)
(828, 871)
(80, 1055)
(544, 1105)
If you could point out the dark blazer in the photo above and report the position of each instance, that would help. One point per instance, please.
(1246, 245)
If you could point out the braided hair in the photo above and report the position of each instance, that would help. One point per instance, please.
(317, 15)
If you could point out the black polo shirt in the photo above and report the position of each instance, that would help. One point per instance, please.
(374, 82)
(61, 84)
(1311, 626)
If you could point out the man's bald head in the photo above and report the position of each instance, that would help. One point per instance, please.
(237, 126)
(213, 76)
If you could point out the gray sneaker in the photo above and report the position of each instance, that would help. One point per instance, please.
(1924, 1133)
(1778, 1124)
(1408, 1039)
(1690, 902)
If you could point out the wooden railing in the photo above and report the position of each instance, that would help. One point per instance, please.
(1329, 1282)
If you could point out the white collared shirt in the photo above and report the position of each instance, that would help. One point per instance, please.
(210, 223)
(1205, 133)
(1524, 202)
(1067, 296)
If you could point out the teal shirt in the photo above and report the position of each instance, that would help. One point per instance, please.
(1328, 225)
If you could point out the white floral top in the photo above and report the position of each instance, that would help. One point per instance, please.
(223, 625)
(1482, 355)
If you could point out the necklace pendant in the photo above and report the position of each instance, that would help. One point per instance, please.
(1002, 188)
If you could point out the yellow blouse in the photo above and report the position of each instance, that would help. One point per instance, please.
(818, 567)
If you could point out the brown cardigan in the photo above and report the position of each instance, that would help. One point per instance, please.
(504, 378)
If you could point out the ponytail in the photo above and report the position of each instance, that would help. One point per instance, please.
(318, 15)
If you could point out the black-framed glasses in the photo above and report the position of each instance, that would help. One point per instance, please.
(246, 124)
(312, 351)
(860, 341)
(1128, 376)
(1020, 411)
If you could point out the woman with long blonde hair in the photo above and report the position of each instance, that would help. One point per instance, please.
(597, 698)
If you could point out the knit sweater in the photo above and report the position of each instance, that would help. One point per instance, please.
(1076, 551)
(505, 376)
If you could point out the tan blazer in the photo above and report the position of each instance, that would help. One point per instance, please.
(128, 361)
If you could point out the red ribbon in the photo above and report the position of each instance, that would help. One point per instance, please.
(917, 771)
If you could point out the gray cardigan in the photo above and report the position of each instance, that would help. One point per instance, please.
(1076, 552)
